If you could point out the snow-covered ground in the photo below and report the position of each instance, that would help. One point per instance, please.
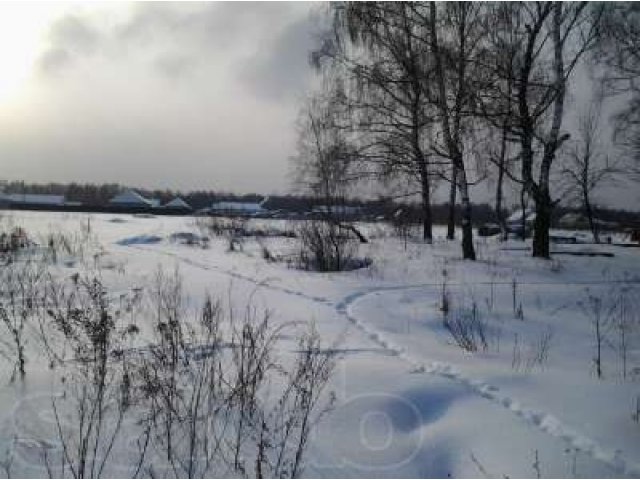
(409, 401)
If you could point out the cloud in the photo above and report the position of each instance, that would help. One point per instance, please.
(268, 42)
(281, 67)
(54, 60)
(74, 32)
(175, 65)
(186, 95)
(69, 37)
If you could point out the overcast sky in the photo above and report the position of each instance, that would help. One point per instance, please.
(183, 95)
(180, 95)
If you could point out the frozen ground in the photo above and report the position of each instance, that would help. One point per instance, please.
(410, 402)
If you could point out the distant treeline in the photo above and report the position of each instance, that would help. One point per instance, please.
(92, 195)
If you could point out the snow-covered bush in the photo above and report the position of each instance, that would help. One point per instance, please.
(190, 239)
(467, 328)
(613, 314)
(402, 224)
(326, 246)
(20, 302)
(211, 402)
(203, 394)
(97, 373)
(232, 229)
(527, 356)
(266, 253)
(13, 241)
(241, 227)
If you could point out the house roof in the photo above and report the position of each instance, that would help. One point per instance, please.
(516, 216)
(238, 206)
(338, 209)
(177, 203)
(33, 198)
(131, 197)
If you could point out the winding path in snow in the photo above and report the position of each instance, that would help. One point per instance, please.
(545, 422)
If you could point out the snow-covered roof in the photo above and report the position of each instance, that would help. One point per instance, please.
(237, 206)
(130, 197)
(177, 203)
(33, 199)
(338, 209)
(516, 216)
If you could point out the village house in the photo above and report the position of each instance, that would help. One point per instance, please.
(132, 199)
(177, 205)
(247, 209)
(17, 200)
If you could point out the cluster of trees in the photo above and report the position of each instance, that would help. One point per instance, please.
(414, 94)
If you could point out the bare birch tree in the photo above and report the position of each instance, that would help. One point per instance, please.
(385, 62)
(549, 40)
(455, 33)
(619, 52)
(587, 167)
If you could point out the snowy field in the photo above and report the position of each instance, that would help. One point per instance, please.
(523, 400)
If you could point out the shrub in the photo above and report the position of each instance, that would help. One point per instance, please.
(13, 241)
(96, 378)
(207, 395)
(325, 247)
(20, 301)
(600, 312)
(536, 354)
(240, 227)
(467, 329)
(207, 380)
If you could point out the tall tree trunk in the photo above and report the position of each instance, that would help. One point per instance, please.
(468, 252)
(542, 224)
(527, 127)
(499, 213)
(427, 221)
(451, 221)
(502, 221)
(451, 122)
(588, 211)
(552, 144)
(523, 219)
(421, 160)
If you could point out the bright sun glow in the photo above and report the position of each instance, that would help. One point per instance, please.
(23, 28)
